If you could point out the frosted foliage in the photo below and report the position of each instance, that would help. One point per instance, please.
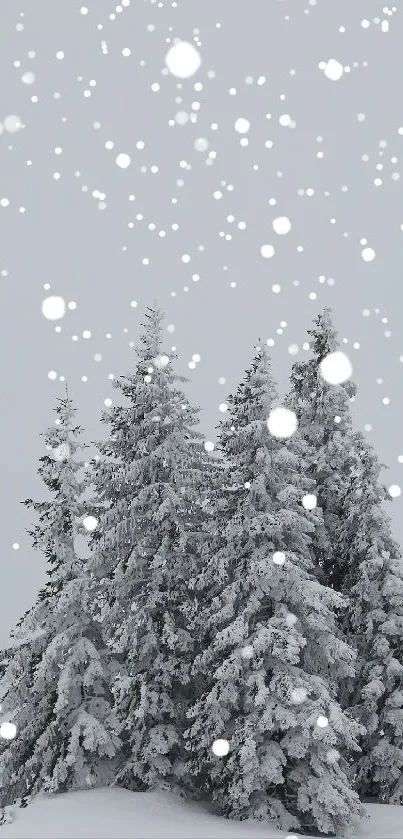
(57, 675)
(183, 60)
(62, 452)
(267, 703)
(298, 695)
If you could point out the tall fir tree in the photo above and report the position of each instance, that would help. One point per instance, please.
(323, 413)
(151, 480)
(56, 684)
(358, 557)
(271, 657)
(374, 624)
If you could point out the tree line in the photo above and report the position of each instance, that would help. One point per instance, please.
(236, 630)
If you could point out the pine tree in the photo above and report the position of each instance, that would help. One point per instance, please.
(358, 557)
(55, 688)
(323, 413)
(374, 624)
(271, 657)
(151, 479)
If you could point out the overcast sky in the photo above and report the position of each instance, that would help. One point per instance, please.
(315, 87)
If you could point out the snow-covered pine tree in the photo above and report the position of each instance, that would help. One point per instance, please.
(325, 423)
(151, 480)
(374, 624)
(358, 557)
(56, 684)
(271, 655)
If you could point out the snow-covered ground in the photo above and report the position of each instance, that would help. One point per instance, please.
(118, 814)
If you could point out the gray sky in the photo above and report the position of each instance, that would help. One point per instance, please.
(260, 62)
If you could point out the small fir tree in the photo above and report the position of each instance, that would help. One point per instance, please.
(55, 688)
(271, 657)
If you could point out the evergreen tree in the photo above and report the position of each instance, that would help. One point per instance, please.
(55, 688)
(151, 480)
(358, 557)
(374, 623)
(271, 657)
(323, 413)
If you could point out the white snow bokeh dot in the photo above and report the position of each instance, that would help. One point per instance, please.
(8, 730)
(183, 60)
(242, 125)
(282, 423)
(336, 368)
(123, 160)
(333, 70)
(220, 747)
(53, 308)
(368, 254)
(309, 501)
(281, 225)
(267, 251)
(12, 123)
(90, 523)
(201, 144)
